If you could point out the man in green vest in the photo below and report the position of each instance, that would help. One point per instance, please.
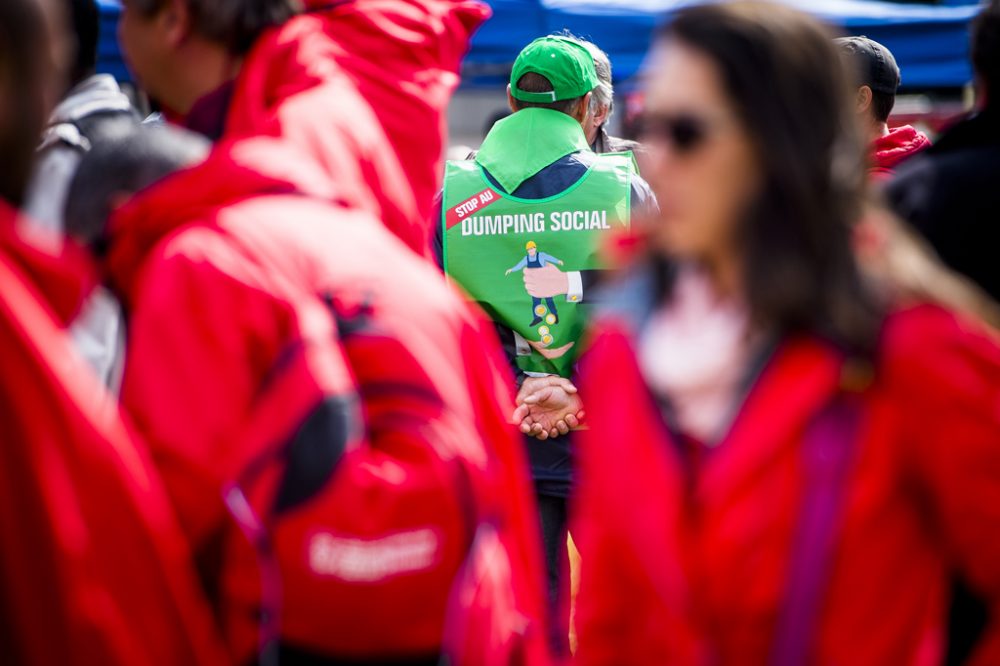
(536, 183)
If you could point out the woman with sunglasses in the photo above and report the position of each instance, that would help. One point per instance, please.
(794, 456)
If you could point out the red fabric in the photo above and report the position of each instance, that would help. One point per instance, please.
(891, 150)
(689, 567)
(221, 266)
(362, 89)
(94, 567)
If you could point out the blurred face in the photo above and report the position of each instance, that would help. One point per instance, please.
(701, 163)
(145, 43)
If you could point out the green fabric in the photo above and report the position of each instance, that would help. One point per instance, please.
(524, 143)
(485, 237)
(566, 63)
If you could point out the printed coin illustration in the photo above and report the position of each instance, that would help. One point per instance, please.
(551, 319)
(547, 339)
(540, 310)
(543, 330)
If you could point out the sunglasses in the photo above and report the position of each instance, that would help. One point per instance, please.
(685, 132)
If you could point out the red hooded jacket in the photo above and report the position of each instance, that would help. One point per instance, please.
(891, 150)
(363, 88)
(94, 567)
(221, 268)
(687, 558)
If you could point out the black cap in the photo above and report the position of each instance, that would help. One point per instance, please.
(876, 68)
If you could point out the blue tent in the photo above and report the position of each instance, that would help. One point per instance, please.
(929, 42)
(109, 57)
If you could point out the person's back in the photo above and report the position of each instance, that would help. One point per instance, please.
(949, 193)
(878, 78)
(91, 548)
(234, 270)
(521, 226)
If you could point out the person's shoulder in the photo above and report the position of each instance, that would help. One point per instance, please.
(928, 349)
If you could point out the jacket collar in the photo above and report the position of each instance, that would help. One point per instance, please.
(551, 135)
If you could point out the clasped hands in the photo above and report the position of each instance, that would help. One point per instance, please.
(548, 407)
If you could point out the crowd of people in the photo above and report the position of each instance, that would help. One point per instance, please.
(281, 386)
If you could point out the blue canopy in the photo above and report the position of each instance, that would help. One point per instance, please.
(109, 56)
(930, 42)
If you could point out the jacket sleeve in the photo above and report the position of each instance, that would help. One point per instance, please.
(949, 379)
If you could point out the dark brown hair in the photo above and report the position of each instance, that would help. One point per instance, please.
(535, 83)
(786, 81)
(236, 24)
(24, 73)
(986, 51)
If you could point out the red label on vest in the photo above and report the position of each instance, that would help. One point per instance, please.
(472, 205)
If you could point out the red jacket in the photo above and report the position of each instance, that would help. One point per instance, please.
(891, 150)
(362, 87)
(221, 267)
(687, 558)
(93, 568)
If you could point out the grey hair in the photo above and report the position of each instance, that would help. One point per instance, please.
(126, 164)
(604, 93)
(234, 23)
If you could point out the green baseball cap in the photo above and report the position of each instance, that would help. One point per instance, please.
(567, 65)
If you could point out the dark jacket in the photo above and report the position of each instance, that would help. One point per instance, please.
(949, 193)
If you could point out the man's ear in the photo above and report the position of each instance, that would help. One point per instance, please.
(583, 108)
(176, 21)
(863, 100)
(511, 102)
(601, 115)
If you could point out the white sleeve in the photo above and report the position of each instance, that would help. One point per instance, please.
(574, 294)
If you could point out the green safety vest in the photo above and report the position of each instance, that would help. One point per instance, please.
(489, 237)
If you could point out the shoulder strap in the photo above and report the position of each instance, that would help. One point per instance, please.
(828, 454)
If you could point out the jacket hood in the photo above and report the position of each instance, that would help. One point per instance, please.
(61, 272)
(233, 172)
(899, 144)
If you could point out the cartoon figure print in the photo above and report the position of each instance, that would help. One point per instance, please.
(535, 259)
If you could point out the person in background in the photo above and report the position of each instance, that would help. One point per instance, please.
(878, 80)
(303, 71)
(949, 196)
(93, 111)
(107, 175)
(801, 452)
(949, 193)
(602, 105)
(537, 163)
(93, 566)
